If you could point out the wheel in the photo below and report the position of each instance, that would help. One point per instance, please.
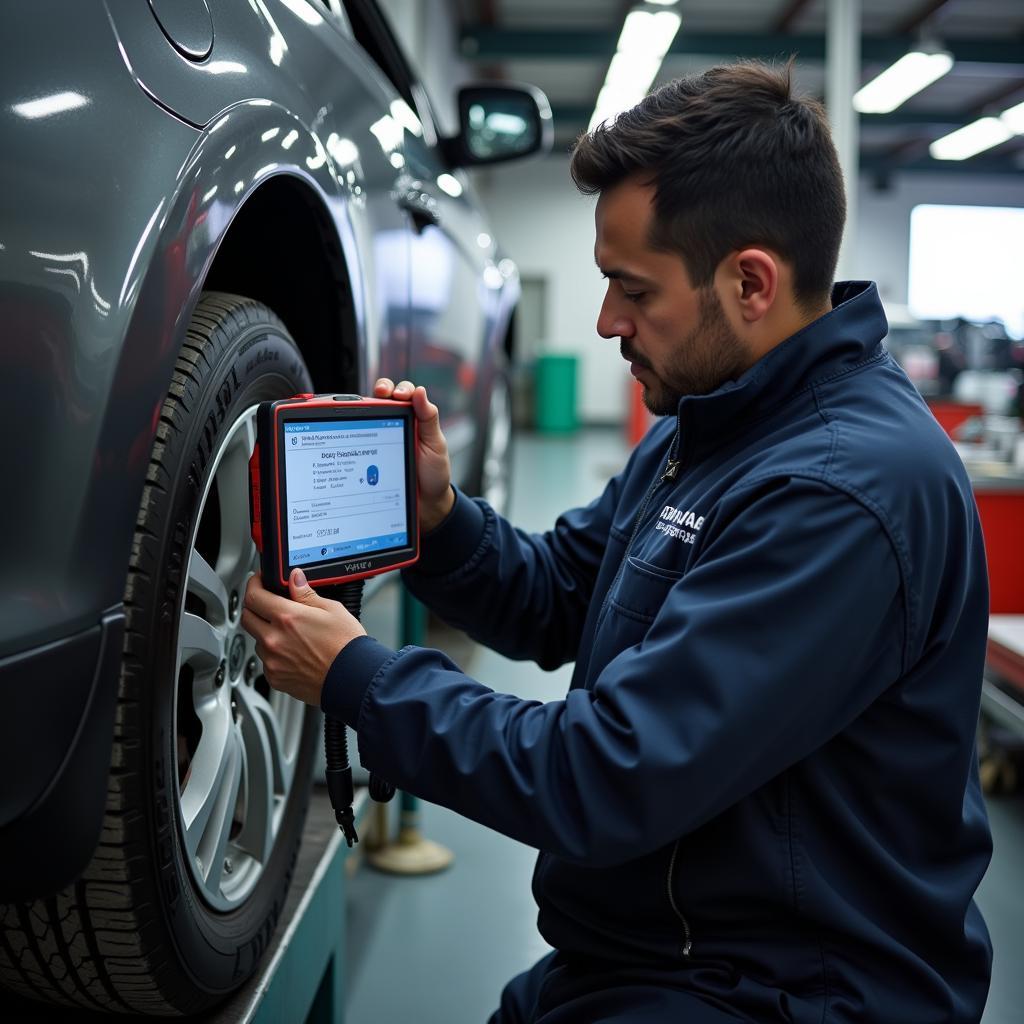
(211, 769)
(494, 475)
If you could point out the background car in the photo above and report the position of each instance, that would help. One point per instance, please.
(203, 204)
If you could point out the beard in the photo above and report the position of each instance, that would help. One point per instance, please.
(706, 358)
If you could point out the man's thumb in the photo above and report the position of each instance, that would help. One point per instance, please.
(299, 589)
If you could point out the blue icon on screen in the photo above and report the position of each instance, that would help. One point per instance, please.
(372, 475)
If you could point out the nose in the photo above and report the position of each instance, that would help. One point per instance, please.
(611, 322)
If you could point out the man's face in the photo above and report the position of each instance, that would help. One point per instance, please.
(677, 338)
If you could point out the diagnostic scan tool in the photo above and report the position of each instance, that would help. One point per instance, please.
(332, 488)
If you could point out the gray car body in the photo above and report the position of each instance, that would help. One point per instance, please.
(114, 216)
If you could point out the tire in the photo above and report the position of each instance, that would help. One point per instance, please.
(147, 929)
(493, 476)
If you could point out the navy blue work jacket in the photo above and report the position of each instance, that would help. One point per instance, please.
(763, 780)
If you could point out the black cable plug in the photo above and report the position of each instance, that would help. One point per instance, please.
(339, 773)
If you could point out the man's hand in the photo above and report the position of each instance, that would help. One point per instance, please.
(297, 639)
(433, 465)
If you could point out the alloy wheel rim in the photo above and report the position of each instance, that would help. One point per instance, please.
(237, 740)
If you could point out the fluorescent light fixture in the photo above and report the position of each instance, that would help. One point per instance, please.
(46, 106)
(1014, 119)
(645, 39)
(973, 138)
(907, 77)
(289, 140)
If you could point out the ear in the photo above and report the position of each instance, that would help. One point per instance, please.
(753, 282)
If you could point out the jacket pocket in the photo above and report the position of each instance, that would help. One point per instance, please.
(642, 588)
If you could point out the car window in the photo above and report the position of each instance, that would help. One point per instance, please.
(411, 112)
(336, 14)
(374, 36)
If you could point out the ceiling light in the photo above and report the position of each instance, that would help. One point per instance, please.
(1014, 119)
(645, 39)
(971, 139)
(907, 77)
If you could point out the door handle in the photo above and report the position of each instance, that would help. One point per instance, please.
(421, 207)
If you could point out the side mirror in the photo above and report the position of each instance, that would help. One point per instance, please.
(498, 123)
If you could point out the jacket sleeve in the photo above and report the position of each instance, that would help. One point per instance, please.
(524, 595)
(786, 628)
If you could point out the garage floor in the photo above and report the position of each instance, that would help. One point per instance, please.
(439, 949)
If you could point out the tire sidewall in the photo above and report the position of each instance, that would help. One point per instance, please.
(248, 363)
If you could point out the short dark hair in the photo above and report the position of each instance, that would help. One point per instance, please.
(735, 160)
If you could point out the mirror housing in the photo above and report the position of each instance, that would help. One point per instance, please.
(499, 122)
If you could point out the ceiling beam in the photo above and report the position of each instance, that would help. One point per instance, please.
(571, 114)
(793, 10)
(914, 150)
(488, 43)
(997, 165)
(917, 18)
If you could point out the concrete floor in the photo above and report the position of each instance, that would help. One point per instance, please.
(440, 948)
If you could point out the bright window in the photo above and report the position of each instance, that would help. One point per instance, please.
(967, 261)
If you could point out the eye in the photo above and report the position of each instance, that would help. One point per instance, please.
(633, 296)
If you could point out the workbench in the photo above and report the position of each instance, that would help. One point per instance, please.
(1003, 689)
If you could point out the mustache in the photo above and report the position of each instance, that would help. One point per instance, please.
(631, 355)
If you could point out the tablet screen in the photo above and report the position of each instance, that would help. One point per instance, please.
(344, 488)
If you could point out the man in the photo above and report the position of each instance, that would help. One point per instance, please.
(759, 799)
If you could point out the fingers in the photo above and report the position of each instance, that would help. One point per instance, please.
(261, 601)
(300, 590)
(253, 624)
(430, 420)
(400, 392)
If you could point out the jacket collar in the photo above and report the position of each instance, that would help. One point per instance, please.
(850, 333)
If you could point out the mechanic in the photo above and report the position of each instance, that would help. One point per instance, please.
(759, 799)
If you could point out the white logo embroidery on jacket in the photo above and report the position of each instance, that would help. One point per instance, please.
(681, 526)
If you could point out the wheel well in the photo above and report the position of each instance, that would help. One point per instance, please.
(282, 250)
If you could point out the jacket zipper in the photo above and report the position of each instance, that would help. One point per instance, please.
(687, 943)
(670, 473)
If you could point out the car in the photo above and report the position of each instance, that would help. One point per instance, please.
(205, 204)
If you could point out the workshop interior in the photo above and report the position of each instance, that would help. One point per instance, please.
(221, 222)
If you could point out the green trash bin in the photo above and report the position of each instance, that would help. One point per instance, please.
(556, 393)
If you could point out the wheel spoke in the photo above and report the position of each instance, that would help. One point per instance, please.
(263, 773)
(214, 843)
(232, 481)
(204, 582)
(200, 641)
(211, 766)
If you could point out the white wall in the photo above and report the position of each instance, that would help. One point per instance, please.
(548, 229)
(883, 232)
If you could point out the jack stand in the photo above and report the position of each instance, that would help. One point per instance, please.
(410, 853)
